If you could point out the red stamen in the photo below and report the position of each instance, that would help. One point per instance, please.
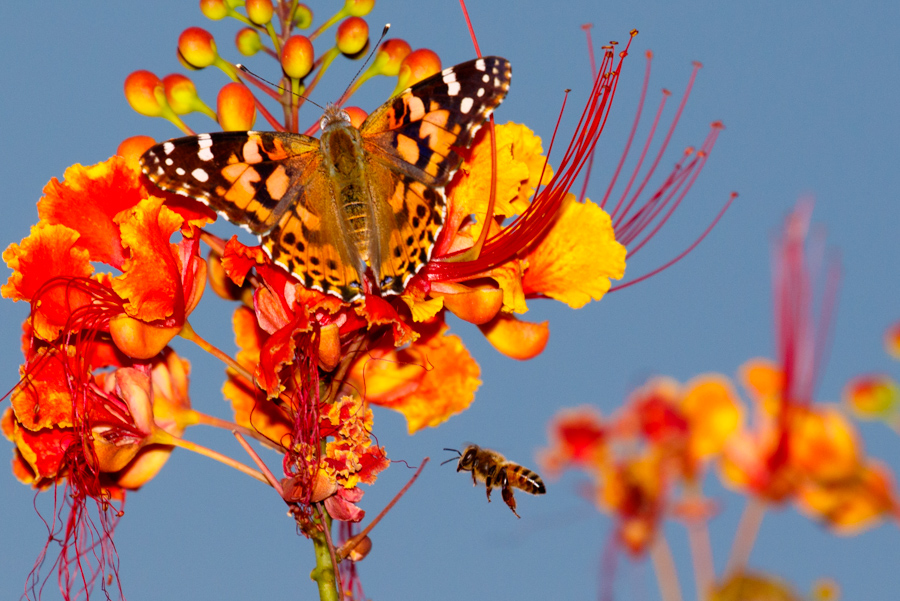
(534, 221)
(462, 4)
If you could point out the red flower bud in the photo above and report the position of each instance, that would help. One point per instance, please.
(235, 107)
(197, 48)
(144, 92)
(248, 42)
(352, 35)
(260, 11)
(297, 56)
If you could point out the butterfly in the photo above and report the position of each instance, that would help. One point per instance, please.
(353, 205)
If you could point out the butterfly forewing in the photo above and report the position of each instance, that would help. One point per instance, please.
(413, 137)
(416, 130)
(282, 187)
(250, 178)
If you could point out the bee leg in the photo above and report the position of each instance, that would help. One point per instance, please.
(474, 481)
(488, 489)
(510, 499)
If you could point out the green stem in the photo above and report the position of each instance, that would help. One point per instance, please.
(324, 571)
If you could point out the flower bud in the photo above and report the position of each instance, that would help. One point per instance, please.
(417, 65)
(132, 148)
(357, 115)
(390, 56)
(181, 93)
(352, 35)
(197, 48)
(235, 107)
(358, 8)
(214, 10)
(145, 93)
(297, 56)
(303, 17)
(260, 11)
(247, 41)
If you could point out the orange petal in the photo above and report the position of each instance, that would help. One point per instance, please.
(577, 257)
(50, 251)
(577, 436)
(713, 411)
(853, 504)
(151, 284)
(471, 191)
(516, 339)
(43, 399)
(88, 201)
(475, 305)
(427, 382)
(824, 444)
(139, 339)
(764, 380)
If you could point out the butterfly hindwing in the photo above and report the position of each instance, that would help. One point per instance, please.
(249, 178)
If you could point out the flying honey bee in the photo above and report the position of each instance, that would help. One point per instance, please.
(493, 469)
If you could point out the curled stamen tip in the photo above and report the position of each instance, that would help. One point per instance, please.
(567, 90)
(717, 125)
(649, 54)
(697, 64)
(606, 47)
(587, 26)
(666, 92)
(689, 151)
(633, 32)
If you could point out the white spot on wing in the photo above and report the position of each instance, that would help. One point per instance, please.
(205, 154)
(466, 105)
(179, 171)
(485, 78)
(453, 88)
(200, 175)
(168, 147)
(449, 76)
(169, 162)
(479, 64)
(480, 92)
(202, 137)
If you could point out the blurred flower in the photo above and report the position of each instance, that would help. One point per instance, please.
(798, 450)
(640, 459)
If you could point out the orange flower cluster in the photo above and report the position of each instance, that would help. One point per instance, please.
(648, 460)
(103, 398)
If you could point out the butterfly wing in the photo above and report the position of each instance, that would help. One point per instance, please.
(250, 178)
(409, 143)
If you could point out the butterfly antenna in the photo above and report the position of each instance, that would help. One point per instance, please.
(384, 31)
(280, 87)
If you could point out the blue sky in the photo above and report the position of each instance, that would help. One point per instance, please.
(808, 94)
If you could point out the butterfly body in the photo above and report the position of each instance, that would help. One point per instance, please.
(355, 210)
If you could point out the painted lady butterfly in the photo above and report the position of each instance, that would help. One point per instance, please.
(330, 209)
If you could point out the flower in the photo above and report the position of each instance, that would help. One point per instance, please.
(798, 450)
(663, 437)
